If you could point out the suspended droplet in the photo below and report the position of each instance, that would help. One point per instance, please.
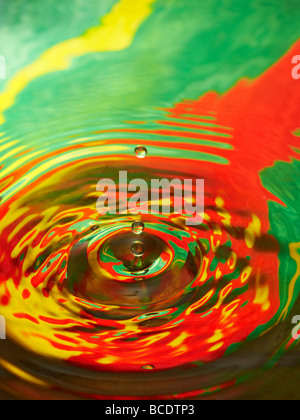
(138, 227)
(141, 152)
(138, 248)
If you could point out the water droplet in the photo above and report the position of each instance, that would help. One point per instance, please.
(141, 152)
(138, 227)
(138, 248)
(148, 367)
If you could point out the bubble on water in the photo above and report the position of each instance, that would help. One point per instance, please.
(138, 249)
(141, 152)
(148, 367)
(138, 227)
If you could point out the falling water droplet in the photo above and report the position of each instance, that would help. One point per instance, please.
(141, 152)
(138, 248)
(138, 227)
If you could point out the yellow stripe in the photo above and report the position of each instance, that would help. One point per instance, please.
(294, 253)
(115, 32)
(22, 374)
